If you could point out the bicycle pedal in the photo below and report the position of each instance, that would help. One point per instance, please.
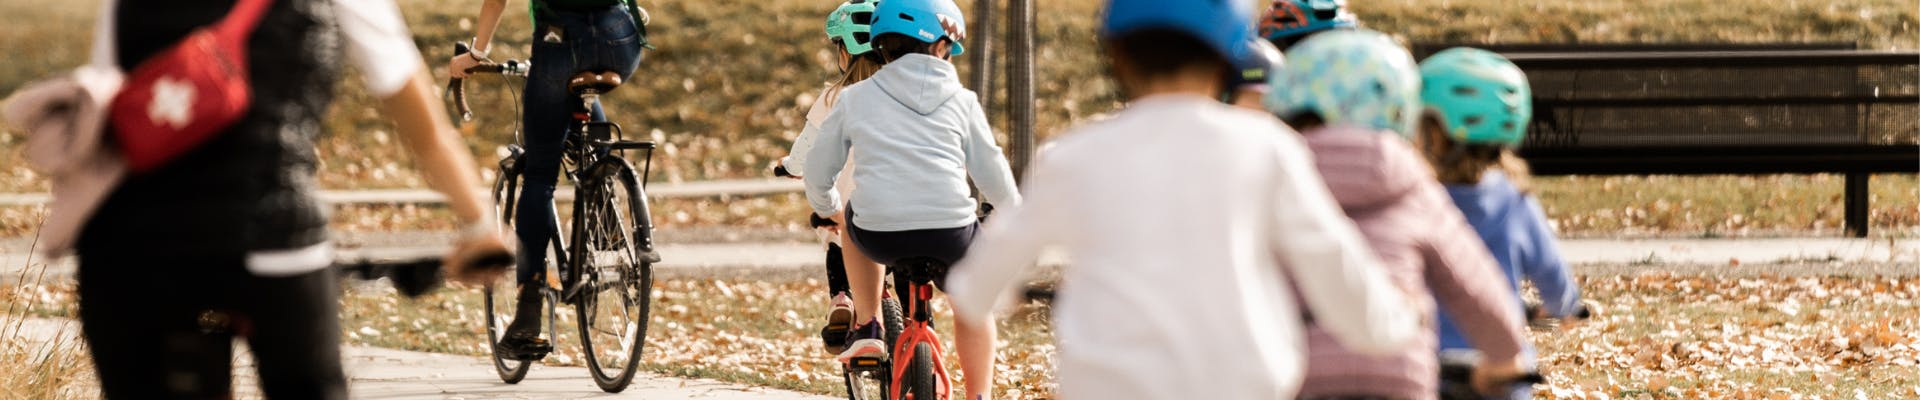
(834, 337)
(531, 352)
(865, 364)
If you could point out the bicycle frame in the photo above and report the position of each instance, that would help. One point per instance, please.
(914, 282)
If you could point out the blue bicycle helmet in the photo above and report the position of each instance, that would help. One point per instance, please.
(1263, 60)
(1354, 77)
(925, 20)
(1223, 25)
(850, 25)
(1287, 20)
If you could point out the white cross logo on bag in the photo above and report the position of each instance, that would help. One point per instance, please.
(172, 103)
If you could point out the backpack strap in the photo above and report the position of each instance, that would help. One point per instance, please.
(240, 22)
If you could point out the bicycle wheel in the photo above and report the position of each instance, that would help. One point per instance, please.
(616, 286)
(497, 305)
(920, 383)
(872, 383)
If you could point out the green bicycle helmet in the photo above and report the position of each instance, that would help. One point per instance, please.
(1482, 98)
(851, 26)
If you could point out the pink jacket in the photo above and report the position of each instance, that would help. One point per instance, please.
(1426, 245)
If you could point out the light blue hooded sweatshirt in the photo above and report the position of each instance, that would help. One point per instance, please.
(920, 136)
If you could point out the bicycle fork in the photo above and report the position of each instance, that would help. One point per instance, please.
(919, 329)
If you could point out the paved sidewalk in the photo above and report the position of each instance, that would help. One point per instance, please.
(769, 251)
(387, 374)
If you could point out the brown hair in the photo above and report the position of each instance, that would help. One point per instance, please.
(1465, 164)
(862, 67)
(1156, 52)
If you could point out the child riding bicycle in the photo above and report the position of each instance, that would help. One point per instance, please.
(569, 36)
(1186, 220)
(920, 137)
(1356, 117)
(1481, 106)
(850, 29)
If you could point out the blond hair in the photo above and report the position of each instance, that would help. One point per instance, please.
(1466, 164)
(862, 67)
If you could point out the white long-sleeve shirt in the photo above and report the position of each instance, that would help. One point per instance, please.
(1179, 215)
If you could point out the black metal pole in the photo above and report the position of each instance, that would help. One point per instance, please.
(1856, 207)
(1020, 82)
(981, 64)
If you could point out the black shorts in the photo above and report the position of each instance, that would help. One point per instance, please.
(946, 245)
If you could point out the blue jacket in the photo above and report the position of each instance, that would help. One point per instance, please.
(1515, 229)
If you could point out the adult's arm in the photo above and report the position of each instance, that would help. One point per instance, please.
(380, 45)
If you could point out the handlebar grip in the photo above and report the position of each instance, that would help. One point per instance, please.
(495, 261)
(459, 89)
(816, 221)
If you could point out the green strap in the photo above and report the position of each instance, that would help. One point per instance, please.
(535, 7)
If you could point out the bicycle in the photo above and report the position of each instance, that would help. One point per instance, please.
(1457, 366)
(909, 335)
(609, 258)
(865, 378)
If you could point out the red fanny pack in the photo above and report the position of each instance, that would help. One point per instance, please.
(179, 98)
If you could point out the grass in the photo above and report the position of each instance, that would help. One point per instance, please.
(726, 88)
(1697, 336)
(40, 362)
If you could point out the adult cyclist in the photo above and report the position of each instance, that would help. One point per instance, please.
(569, 36)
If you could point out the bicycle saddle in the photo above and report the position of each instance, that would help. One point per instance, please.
(600, 82)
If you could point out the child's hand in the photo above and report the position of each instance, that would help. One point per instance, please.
(831, 224)
(1492, 378)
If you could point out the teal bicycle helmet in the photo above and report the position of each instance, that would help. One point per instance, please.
(1353, 77)
(1288, 20)
(851, 26)
(1482, 98)
(925, 20)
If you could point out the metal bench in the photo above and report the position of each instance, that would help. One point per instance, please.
(1743, 109)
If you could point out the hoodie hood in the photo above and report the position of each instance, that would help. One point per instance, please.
(1366, 169)
(1492, 197)
(920, 82)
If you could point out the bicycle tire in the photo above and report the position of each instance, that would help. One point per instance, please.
(510, 371)
(873, 385)
(609, 258)
(920, 383)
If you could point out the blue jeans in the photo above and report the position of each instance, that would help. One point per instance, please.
(599, 40)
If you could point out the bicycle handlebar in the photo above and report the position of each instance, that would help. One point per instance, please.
(416, 276)
(457, 86)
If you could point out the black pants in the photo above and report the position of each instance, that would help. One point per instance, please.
(162, 328)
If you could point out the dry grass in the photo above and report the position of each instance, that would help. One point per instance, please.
(726, 89)
(41, 361)
(1684, 337)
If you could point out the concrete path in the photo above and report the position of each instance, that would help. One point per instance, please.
(387, 374)
(736, 187)
(789, 250)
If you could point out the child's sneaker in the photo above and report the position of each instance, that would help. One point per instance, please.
(839, 322)
(865, 342)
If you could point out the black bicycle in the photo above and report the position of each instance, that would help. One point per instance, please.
(603, 266)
